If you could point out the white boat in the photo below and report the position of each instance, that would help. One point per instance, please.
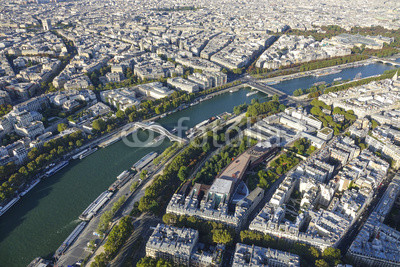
(358, 76)
(88, 152)
(326, 72)
(56, 168)
(123, 174)
(8, 205)
(251, 93)
(70, 239)
(76, 156)
(32, 185)
(158, 139)
(95, 206)
(272, 83)
(201, 124)
(144, 161)
(337, 79)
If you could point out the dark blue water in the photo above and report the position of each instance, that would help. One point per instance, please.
(290, 86)
(39, 223)
(43, 218)
(206, 109)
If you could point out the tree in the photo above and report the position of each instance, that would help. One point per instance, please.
(169, 218)
(23, 171)
(321, 263)
(222, 236)
(143, 174)
(33, 153)
(182, 174)
(275, 97)
(316, 111)
(206, 147)
(134, 186)
(78, 143)
(120, 114)
(100, 261)
(99, 125)
(117, 236)
(331, 255)
(374, 124)
(62, 127)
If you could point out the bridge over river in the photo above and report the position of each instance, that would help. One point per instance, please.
(266, 89)
(161, 130)
(388, 61)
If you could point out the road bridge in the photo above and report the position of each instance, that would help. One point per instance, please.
(389, 62)
(266, 89)
(161, 130)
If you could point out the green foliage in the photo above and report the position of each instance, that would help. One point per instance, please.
(12, 178)
(222, 236)
(162, 187)
(321, 104)
(134, 186)
(4, 109)
(210, 232)
(309, 255)
(386, 75)
(177, 8)
(182, 174)
(117, 236)
(151, 262)
(61, 127)
(283, 163)
(321, 263)
(100, 260)
(120, 114)
(167, 153)
(263, 179)
(385, 52)
(107, 216)
(105, 221)
(99, 125)
(10, 138)
(331, 62)
(374, 124)
(303, 147)
(327, 32)
(118, 204)
(331, 256)
(239, 109)
(213, 166)
(267, 108)
(95, 75)
(143, 174)
(327, 120)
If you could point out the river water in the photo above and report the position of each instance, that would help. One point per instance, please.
(290, 86)
(41, 220)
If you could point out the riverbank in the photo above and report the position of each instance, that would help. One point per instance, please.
(40, 223)
(343, 73)
(279, 79)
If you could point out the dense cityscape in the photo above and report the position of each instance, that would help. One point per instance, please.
(199, 133)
